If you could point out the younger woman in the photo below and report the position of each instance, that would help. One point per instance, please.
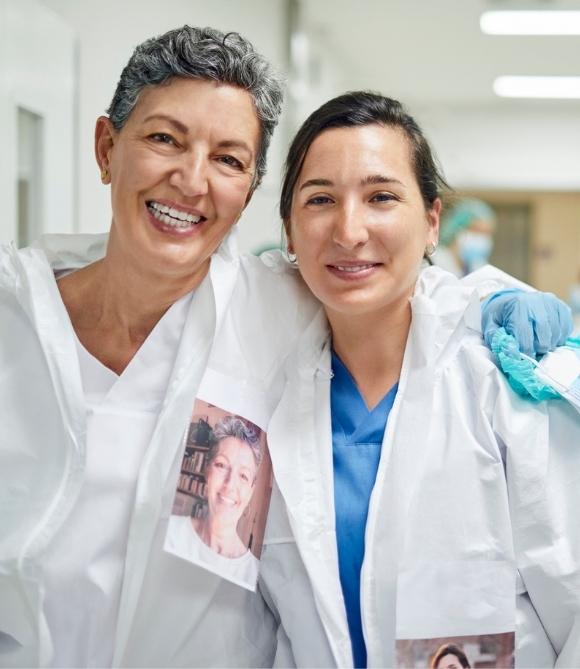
(418, 497)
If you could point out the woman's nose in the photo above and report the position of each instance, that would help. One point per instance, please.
(227, 479)
(190, 177)
(350, 227)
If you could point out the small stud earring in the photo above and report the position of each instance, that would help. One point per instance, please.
(430, 249)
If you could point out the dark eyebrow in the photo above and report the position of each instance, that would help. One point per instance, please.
(367, 181)
(235, 144)
(172, 121)
(226, 144)
(316, 182)
(374, 179)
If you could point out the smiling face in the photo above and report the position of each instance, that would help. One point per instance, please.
(181, 172)
(358, 222)
(230, 479)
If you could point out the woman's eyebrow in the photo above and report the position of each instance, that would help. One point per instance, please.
(370, 180)
(236, 144)
(172, 121)
(316, 182)
(374, 179)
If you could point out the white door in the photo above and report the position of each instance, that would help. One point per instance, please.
(37, 117)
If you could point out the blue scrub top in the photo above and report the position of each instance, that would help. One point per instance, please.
(357, 435)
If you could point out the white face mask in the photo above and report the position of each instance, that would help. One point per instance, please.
(474, 249)
(561, 370)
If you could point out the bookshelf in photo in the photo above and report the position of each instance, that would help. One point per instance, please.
(191, 497)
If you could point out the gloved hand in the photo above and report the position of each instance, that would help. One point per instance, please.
(538, 321)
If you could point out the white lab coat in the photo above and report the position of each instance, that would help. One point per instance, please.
(449, 543)
(172, 613)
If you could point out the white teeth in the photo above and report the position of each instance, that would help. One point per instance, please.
(353, 268)
(171, 216)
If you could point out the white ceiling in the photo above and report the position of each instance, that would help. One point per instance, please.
(433, 52)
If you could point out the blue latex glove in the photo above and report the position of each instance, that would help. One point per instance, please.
(538, 321)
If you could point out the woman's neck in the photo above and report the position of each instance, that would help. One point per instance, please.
(113, 307)
(372, 346)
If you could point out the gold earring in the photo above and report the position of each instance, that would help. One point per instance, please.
(104, 173)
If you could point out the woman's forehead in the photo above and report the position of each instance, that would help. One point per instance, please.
(233, 447)
(359, 151)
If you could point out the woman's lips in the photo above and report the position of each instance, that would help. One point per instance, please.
(173, 221)
(352, 271)
(228, 501)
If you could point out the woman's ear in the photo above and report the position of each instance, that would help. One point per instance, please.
(433, 218)
(105, 136)
(289, 245)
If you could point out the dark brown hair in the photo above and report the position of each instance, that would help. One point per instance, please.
(450, 649)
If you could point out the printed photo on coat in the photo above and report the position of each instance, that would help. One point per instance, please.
(457, 652)
(223, 493)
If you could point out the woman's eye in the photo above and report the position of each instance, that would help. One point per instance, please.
(383, 197)
(231, 161)
(162, 138)
(318, 200)
(244, 477)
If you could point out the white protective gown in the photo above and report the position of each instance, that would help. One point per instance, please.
(473, 521)
(450, 423)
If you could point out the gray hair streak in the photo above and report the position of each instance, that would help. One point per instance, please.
(202, 53)
(238, 428)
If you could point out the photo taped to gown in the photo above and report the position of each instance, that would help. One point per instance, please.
(223, 494)
(457, 652)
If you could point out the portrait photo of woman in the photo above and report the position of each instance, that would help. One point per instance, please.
(471, 651)
(222, 496)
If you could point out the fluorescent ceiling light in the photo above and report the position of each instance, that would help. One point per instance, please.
(537, 87)
(565, 22)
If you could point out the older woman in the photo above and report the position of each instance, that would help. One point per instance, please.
(100, 370)
(418, 497)
(102, 362)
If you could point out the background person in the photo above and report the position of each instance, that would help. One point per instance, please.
(466, 239)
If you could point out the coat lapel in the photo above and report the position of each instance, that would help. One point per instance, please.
(300, 438)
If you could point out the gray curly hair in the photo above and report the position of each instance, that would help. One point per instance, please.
(239, 428)
(202, 53)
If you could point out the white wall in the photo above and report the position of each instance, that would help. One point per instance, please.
(109, 30)
(36, 73)
(532, 147)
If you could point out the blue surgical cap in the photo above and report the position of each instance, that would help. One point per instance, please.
(461, 217)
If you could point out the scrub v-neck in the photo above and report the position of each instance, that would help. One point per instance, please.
(83, 569)
(357, 435)
(148, 370)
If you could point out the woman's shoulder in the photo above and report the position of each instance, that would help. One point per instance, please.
(273, 303)
(271, 273)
